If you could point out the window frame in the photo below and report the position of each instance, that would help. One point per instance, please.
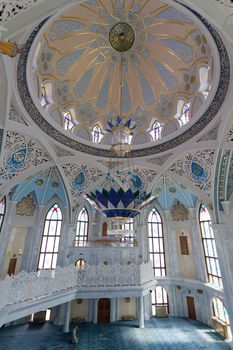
(206, 230)
(82, 239)
(160, 240)
(156, 132)
(97, 135)
(48, 237)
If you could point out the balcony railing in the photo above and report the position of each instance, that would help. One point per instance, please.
(128, 243)
(27, 286)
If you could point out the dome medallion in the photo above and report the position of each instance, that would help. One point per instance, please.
(121, 37)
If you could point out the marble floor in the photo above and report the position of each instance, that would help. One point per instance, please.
(158, 334)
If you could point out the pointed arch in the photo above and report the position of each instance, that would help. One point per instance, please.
(209, 247)
(81, 236)
(156, 130)
(50, 239)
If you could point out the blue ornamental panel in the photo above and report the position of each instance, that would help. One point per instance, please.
(17, 159)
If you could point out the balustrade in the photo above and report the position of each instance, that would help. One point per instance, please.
(27, 286)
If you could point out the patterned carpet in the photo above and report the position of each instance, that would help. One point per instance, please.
(159, 334)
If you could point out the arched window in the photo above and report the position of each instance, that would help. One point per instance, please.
(68, 123)
(97, 134)
(209, 247)
(159, 298)
(156, 130)
(156, 243)
(129, 236)
(82, 228)
(50, 239)
(157, 256)
(2, 210)
(219, 310)
(185, 116)
(45, 94)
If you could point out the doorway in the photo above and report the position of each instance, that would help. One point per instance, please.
(191, 308)
(12, 266)
(104, 310)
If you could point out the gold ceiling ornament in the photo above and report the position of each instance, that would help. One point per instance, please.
(121, 37)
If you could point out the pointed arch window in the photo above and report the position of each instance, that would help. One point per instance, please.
(157, 256)
(82, 228)
(156, 130)
(50, 239)
(185, 116)
(209, 247)
(97, 134)
(68, 122)
(156, 243)
(2, 210)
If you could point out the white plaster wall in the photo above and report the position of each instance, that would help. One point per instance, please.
(126, 309)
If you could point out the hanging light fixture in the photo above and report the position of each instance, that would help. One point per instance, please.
(122, 194)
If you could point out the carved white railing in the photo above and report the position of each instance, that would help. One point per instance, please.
(31, 286)
(12, 8)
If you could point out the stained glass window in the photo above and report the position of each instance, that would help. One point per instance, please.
(2, 210)
(209, 247)
(82, 228)
(50, 240)
(97, 134)
(156, 130)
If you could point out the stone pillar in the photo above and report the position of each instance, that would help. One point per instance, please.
(90, 310)
(171, 257)
(147, 306)
(113, 310)
(95, 316)
(66, 327)
(140, 312)
(117, 309)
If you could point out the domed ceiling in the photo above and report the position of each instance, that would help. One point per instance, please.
(143, 59)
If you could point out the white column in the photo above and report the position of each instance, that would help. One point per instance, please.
(140, 312)
(66, 327)
(117, 309)
(95, 316)
(113, 310)
(90, 310)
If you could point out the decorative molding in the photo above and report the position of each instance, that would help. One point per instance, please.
(34, 285)
(20, 153)
(206, 118)
(179, 212)
(26, 206)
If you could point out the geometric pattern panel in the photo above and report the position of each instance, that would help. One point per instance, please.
(20, 153)
(197, 168)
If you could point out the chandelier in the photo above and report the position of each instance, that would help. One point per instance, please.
(122, 194)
